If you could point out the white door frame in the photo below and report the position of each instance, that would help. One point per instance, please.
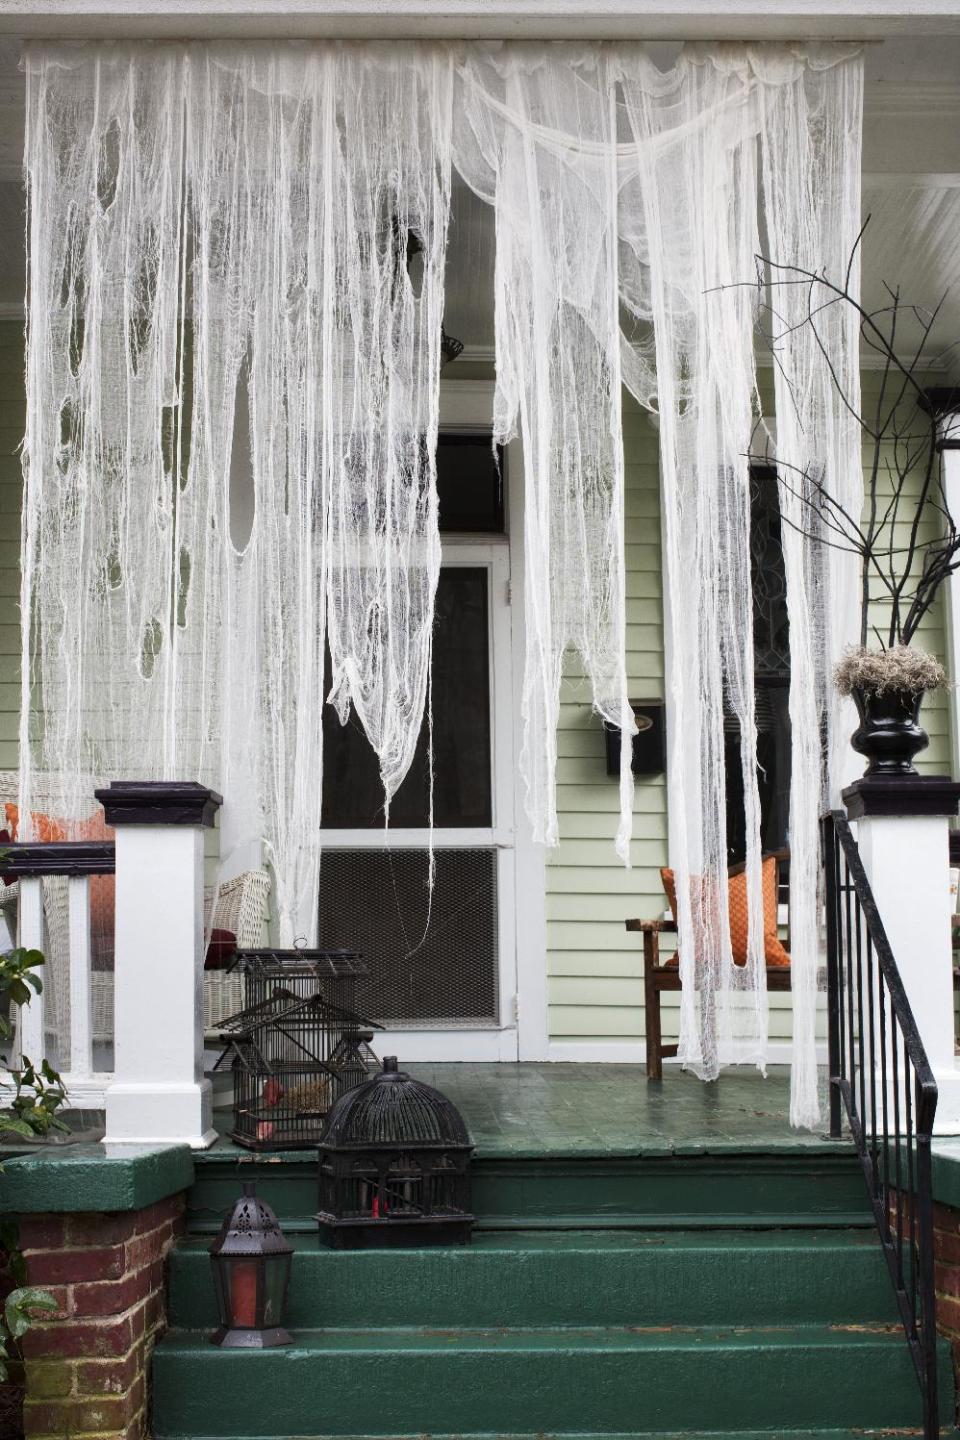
(522, 1031)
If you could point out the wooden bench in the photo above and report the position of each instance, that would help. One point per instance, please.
(658, 977)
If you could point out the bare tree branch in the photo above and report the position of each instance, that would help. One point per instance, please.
(907, 538)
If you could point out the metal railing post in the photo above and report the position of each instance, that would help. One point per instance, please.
(884, 1039)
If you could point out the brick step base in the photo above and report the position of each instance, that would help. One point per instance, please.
(87, 1366)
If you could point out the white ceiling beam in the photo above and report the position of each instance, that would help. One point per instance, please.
(914, 180)
(559, 19)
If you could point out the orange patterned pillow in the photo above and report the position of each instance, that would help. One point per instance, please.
(45, 829)
(774, 953)
(102, 887)
(102, 895)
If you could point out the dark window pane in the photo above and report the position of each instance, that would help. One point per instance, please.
(352, 792)
(446, 976)
(469, 484)
(773, 774)
(771, 624)
(771, 640)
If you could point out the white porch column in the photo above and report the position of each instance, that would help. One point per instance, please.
(902, 827)
(159, 1092)
(949, 404)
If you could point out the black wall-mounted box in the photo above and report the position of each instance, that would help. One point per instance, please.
(649, 746)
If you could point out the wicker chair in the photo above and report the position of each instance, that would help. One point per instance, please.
(241, 907)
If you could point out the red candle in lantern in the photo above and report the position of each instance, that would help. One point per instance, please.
(243, 1293)
(251, 1268)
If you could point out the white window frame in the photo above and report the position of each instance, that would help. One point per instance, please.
(491, 554)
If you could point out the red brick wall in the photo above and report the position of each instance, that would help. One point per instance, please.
(946, 1273)
(87, 1368)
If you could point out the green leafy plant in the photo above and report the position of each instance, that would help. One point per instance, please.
(19, 1309)
(18, 981)
(38, 1089)
(38, 1095)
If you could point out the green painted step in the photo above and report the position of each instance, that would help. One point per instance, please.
(848, 1433)
(722, 1188)
(567, 1382)
(554, 1278)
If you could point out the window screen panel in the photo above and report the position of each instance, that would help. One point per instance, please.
(432, 965)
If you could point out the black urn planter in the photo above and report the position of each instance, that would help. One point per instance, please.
(889, 734)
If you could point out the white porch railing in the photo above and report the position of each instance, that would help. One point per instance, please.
(156, 1090)
(52, 914)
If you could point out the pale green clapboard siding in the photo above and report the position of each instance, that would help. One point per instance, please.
(594, 967)
(595, 985)
(12, 413)
(595, 982)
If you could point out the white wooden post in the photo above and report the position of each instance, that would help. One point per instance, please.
(902, 827)
(32, 1039)
(81, 994)
(159, 1092)
(950, 474)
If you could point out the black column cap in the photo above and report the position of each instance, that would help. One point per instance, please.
(159, 802)
(914, 795)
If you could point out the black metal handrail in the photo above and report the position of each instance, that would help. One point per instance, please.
(880, 1074)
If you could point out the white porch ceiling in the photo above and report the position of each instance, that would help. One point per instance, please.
(489, 19)
(911, 170)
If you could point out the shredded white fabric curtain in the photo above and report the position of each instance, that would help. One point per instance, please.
(691, 227)
(219, 248)
(811, 169)
(213, 227)
(537, 133)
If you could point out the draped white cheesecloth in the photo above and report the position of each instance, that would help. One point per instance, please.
(219, 287)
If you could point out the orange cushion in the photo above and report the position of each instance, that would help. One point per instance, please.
(103, 892)
(45, 829)
(774, 953)
(102, 887)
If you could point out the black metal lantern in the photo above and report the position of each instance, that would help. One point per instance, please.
(251, 1271)
(394, 1166)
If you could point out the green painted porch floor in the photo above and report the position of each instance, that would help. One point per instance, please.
(596, 1110)
(573, 1110)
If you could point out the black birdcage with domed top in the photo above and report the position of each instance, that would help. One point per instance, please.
(394, 1166)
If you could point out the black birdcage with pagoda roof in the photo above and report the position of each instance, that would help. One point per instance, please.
(291, 1058)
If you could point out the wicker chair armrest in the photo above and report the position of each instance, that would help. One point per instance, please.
(653, 927)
